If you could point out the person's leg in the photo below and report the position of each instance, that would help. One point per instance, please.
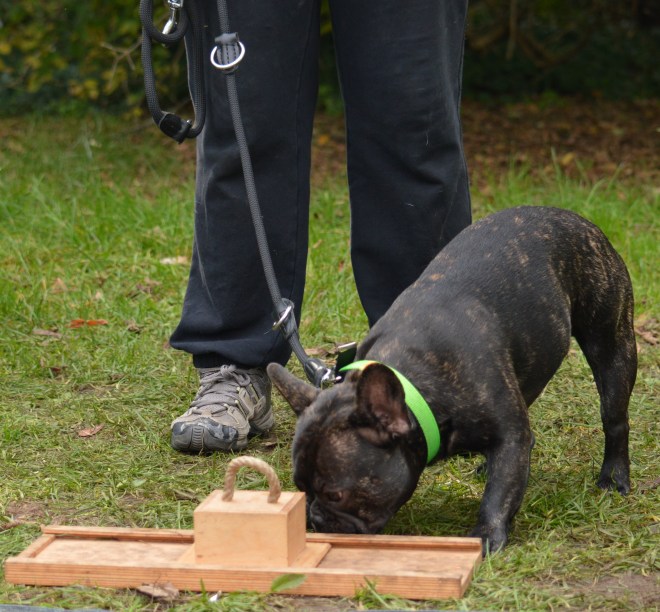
(400, 67)
(227, 312)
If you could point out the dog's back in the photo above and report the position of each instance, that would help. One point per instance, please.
(528, 277)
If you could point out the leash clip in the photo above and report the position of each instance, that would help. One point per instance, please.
(345, 355)
(175, 7)
(228, 52)
(323, 376)
(318, 373)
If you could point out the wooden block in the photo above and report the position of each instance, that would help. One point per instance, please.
(249, 531)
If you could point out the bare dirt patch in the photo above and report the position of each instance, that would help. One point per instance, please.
(588, 139)
(29, 512)
(26, 511)
(635, 591)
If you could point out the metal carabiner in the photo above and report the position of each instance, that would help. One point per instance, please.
(175, 7)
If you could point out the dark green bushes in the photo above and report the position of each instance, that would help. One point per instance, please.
(64, 53)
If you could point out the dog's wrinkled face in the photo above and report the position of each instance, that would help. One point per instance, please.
(347, 451)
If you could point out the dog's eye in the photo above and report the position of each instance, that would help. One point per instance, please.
(334, 496)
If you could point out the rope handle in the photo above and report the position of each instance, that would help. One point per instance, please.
(274, 488)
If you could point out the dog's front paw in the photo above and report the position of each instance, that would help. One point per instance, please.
(493, 539)
(614, 477)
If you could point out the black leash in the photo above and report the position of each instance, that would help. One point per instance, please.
(184, 23)
(226, 57)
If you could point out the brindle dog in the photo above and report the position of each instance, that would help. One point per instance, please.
(479, 334)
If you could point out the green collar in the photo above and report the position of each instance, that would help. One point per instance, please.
(417, 405)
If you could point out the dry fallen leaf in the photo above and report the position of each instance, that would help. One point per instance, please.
(146, 286)
(566, 159)
(9, 525)
(165, 591)
(133, 327)
(46, 332)
(186, 495)
(82, 322)
(648, 336)
(317, 351)
(91, 431)
(55, 370)
(648, 485)
(172, 261)
(58, 286)
(648, 329)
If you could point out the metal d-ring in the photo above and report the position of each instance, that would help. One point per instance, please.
(230, 65)
(284, 317)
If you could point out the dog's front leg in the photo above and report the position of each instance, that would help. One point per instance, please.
(508, 472)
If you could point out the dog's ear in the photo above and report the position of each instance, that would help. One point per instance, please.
(297, 392)
(381, 405)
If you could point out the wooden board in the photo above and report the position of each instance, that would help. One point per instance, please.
(413, 567)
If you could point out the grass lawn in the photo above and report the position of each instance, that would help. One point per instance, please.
(95, 239)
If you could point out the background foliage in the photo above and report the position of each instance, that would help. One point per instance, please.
(59, 53)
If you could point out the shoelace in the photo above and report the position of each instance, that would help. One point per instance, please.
(219, 388)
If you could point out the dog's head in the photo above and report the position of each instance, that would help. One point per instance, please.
(351, 450)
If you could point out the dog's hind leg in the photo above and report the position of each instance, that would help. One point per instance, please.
(610, 350)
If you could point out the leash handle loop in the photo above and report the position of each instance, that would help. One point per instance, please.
(183, 24)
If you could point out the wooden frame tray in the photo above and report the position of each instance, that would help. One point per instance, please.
(413, 567)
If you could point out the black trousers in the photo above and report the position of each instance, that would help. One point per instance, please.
(400, 66)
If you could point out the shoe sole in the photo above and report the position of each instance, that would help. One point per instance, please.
(198, 439)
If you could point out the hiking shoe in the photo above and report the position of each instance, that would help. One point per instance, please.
(231, 405)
